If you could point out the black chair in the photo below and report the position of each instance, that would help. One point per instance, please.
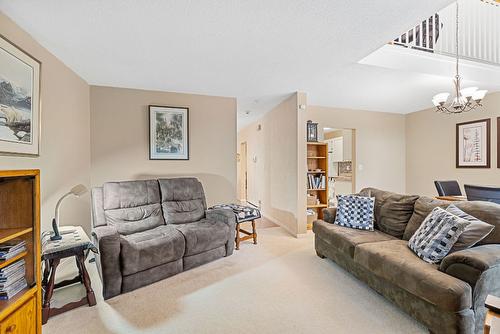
(480, 193)
(448, 188)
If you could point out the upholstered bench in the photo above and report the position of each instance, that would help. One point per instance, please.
(243, 214)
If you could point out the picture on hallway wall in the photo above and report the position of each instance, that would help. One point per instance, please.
(19, 101)
(168, 133)
(473, 144)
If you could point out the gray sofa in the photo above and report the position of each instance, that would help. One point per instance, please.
(446, 298)
(149, 230)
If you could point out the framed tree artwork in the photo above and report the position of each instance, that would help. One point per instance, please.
(19, 101)
(168, 133)
(474, 144)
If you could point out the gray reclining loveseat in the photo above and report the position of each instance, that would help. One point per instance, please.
(149, 230)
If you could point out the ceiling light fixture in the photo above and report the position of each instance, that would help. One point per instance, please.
(466, 99)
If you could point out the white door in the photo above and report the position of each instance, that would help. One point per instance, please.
(338, 149)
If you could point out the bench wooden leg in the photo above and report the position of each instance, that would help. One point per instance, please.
(237, 240)
(254, 232)
(86, 279)
(49, 290)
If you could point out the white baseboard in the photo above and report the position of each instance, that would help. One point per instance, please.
(275, 221)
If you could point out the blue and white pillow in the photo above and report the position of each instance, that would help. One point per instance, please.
(355, 212)
(436, 236)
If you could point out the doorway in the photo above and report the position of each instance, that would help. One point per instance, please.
(243, 172)
(341, 162)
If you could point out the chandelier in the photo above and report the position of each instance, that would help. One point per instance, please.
(466, 99)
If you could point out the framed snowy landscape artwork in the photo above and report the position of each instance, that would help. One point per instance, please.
(19, 101)
(474, 144)
(168, 133)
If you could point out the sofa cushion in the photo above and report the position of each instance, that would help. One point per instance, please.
(132, 206)
(130, 194)
(392, 211)
(476, 231)
(487, 212)
(345, 239)
(183, 200)
(203, 235)
(423, 206)
(151, 248)
(397, 264)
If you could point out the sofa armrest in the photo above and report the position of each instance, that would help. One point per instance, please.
(469, 264)
(480, 267)
(228, 217)
(107, 240)
(329, 215)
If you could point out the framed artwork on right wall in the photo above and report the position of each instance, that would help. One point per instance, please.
(474, 144)
(498, 142)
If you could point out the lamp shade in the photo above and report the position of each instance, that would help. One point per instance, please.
(468, 92)
(479, 95)
(440, 98)
(78, 190)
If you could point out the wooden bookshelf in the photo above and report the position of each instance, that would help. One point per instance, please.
(20, 220)
(317, 165)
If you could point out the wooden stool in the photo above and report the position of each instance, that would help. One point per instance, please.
(249, 235)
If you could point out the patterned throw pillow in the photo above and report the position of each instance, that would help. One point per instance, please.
(475, 232)
(436, 236)
(355, 212)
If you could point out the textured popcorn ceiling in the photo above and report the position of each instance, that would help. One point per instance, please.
(259, 51)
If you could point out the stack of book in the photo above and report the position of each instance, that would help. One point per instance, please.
(9, 250)
(12, 279)
(316, 182)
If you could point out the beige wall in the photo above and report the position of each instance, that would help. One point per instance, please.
(64, 158)
(431, 149)
(120, 139)
(272, 165)
(380, 144)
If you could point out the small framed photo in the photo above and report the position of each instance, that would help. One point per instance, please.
(19, 101)
(474, 144)
(168, 133)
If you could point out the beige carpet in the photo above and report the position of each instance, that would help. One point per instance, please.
(277, 286)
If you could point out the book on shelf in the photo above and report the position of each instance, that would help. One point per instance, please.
(12, 279)
(316, 182)
(13, 289)
(10, 249)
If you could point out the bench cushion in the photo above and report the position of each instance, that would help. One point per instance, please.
(203, 235)
(394, 262)
(346, 239)
(151, 248)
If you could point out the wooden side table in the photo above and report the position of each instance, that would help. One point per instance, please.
(74, 243)
(492, 320)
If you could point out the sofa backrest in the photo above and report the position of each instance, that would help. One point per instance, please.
(489, 213)
(392, 211)
(182, 200)
(423, 206)
(132, 206)
(485, 211)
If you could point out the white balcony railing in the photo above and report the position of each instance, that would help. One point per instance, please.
(423, 36)
(479, 32)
